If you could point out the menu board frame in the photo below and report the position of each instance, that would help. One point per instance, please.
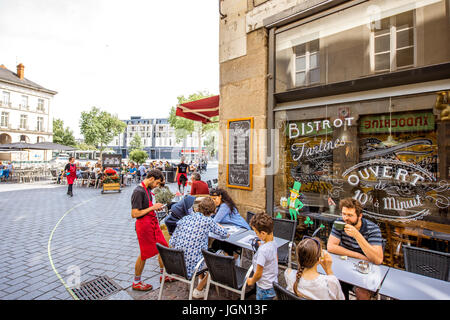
(250, 154)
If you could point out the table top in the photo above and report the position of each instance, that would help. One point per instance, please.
(243, 239)
(345, 271)
(231, 228)
(403, 285)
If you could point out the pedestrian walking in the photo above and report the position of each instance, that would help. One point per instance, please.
(70, 172)
(147, 226)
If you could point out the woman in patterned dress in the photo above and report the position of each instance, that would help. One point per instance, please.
(191, 235)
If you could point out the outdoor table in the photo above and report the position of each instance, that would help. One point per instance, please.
(403, 285)
(243, 239)
(232, 230)
(345, 271)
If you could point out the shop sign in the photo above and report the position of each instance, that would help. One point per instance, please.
(396, 190)
(409, 122)
(318, 127)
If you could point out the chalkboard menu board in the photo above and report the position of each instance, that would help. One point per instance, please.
(239, 153)
(111, 160)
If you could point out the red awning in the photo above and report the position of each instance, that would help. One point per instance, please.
(200, 110)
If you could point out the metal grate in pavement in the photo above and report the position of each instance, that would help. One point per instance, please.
(97, 289)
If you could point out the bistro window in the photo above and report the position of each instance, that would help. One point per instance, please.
(360, 41)
(394, 42)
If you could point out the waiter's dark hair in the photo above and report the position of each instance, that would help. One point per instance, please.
(70, 158)
(156, 174)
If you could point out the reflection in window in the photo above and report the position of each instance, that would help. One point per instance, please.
(307, 63)
(394, 42)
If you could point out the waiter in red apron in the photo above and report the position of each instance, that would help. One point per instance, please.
(147, 225)
(182, 172)
(70, 171)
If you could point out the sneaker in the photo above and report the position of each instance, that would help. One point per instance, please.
(167, 279)
(142, 286)
(199, 294)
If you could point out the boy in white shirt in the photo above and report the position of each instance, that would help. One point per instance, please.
(265, 260)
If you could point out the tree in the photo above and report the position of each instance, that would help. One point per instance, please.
(138, 156)
(61, 135)
(100, 127)
(184, 127)
(136, 143)
(85, 146)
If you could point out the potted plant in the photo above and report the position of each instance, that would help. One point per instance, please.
(111, 180)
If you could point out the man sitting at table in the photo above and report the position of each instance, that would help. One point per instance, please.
(197, 185)
(360, 239)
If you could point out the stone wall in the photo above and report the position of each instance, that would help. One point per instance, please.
(243, 92)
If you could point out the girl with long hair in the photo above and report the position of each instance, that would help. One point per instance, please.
(307, 282)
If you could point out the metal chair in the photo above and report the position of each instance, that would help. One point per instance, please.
(224, 273)
(175, 267)
(427, 262)
(249, 216)
(209, 183)
(284, 294)
(285, 229)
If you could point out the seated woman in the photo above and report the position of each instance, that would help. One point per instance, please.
(177, 211)
(226, 213)
(307, 282)
(191, 235)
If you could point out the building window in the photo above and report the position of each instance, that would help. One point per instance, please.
(23, 121)
(40, 106)
(24, 103)
(5, 119)
(393, 42)
(5, 101)
(307, 69)
(40, 124)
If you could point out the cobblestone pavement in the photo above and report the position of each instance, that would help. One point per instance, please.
(91, 231)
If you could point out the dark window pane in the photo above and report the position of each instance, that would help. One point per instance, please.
(300, 79)
(382, 43)
(314, 75)
(382, 27)
(382, 61)
(405, 57)
(314, 46)
(300, 50)
(404, 20)
(405, 38)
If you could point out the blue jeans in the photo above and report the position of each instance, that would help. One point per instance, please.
(265, 294)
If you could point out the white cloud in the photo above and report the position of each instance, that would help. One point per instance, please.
(127, 57)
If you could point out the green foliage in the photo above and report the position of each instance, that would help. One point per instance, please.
(100, 127)
(61, 135)
(138, 156)
(136, 143)
(163, 195)
(85, 146)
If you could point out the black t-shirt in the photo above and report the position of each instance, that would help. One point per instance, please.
(139, 199)
(182, 168)
(67, 168)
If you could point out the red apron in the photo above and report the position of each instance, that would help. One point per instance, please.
(149, 232)
(179, 176)
(73, 174)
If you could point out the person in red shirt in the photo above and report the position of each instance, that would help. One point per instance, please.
(197, 185)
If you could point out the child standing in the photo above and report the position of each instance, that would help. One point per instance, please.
(265, 260)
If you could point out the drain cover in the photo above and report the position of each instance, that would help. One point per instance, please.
(97, 289)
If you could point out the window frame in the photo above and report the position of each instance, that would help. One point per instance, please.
(308, 68)
(393, 49)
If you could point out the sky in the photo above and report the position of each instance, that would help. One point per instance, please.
(130, 58)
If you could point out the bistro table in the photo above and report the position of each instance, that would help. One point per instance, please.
(345, 271)
(403, 285)
(231, 228)
(243, 239)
